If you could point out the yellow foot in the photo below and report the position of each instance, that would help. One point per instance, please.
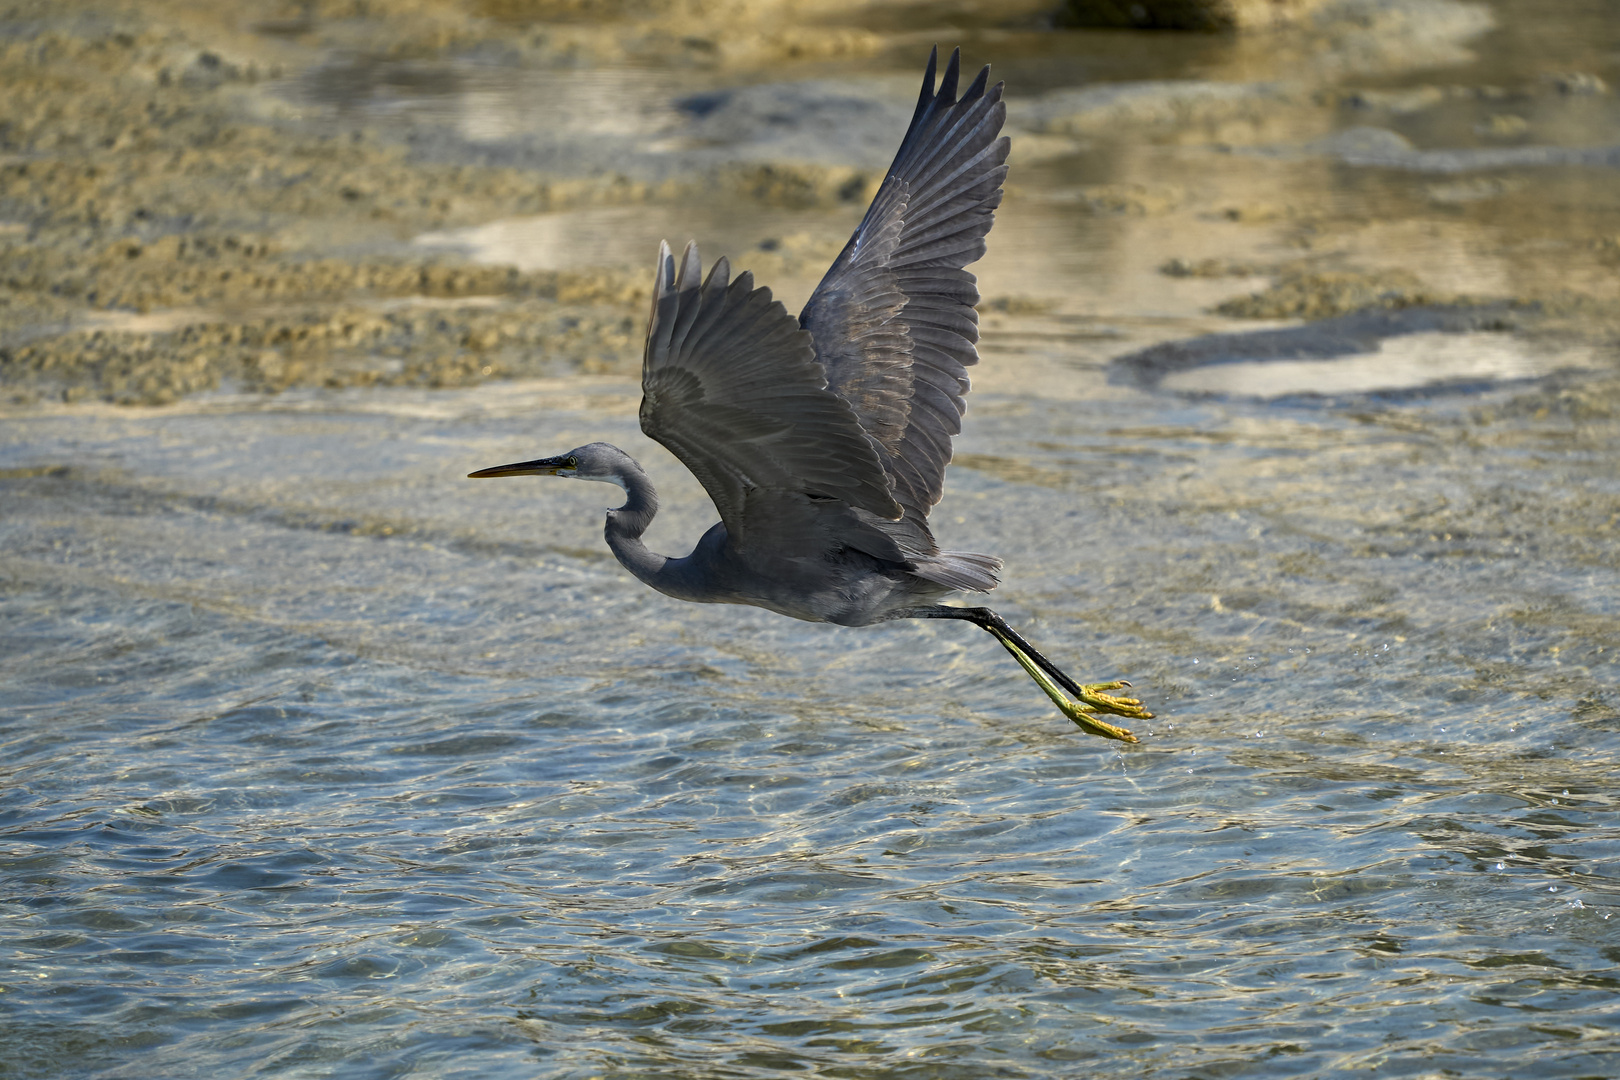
(1095, 696)
(1093, 725)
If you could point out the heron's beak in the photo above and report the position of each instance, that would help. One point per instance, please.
(539, 467)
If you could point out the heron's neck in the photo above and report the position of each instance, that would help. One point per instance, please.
(626, 524)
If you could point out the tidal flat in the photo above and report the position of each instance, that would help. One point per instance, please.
(1299, 406)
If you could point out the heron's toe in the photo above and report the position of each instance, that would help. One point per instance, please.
(1094, 725)
(1095, 696)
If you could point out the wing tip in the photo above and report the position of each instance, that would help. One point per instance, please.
(719, 275)
(691, 272)
(953, 73)
(665, 272)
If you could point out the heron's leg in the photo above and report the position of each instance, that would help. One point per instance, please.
(1086, 699)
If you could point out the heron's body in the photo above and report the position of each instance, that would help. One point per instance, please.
(823, 441)
(821, 580)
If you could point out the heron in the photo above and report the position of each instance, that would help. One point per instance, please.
(823, 440)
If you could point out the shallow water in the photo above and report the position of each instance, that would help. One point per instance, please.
(320, 760)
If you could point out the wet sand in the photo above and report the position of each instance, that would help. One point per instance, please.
(435, 194)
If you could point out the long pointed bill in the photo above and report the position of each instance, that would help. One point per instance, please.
(539, 467)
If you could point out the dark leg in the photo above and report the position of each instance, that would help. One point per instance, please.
(1086, 699)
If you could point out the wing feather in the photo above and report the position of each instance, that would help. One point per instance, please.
(893, 321)
(731, 386)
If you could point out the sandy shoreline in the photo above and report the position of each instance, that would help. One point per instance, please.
(191, 201)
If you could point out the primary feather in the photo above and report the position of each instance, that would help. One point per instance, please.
(856, 403)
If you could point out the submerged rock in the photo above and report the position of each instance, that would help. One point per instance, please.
(1187, 14)
(1414, 351)
(1323, 294)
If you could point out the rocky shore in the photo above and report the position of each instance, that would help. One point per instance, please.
(181, 210)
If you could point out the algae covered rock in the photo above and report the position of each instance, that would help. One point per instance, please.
(1207, 15)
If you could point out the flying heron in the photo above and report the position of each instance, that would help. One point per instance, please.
(823, 441)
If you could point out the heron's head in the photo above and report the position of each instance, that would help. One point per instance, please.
(594, 461)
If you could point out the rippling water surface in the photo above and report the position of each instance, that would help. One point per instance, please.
(319, 760)
(354, 767)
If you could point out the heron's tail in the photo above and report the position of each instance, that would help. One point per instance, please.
(966, 570)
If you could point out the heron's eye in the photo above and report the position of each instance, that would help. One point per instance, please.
(571, 463)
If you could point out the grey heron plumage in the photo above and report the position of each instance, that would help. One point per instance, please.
(823, 440)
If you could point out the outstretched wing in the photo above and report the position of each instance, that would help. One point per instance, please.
(893, 321)
(731, 386)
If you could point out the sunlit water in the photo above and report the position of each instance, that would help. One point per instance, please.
(320, 760)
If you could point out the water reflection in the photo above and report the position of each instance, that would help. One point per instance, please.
(1413, 361)
(490, 102)
(1416, 349)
